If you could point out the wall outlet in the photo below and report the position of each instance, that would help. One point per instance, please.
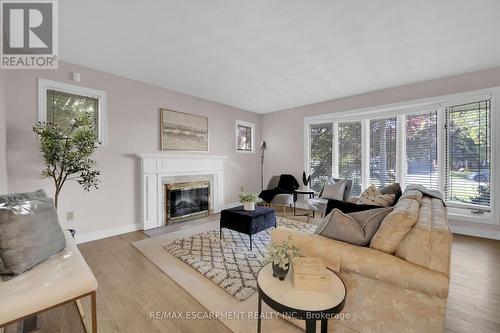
(70, 216)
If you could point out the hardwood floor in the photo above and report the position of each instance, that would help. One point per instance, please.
(130, 287)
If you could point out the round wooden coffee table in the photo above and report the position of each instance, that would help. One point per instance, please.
(310, 306)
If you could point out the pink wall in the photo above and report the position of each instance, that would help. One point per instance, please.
(133, 116)
(284, 130)
(3, 137)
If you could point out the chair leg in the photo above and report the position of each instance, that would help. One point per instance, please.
(94, 311)
(284, 210)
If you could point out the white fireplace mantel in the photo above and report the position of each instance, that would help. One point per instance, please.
(156, 167)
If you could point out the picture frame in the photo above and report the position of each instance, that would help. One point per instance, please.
(181, 131)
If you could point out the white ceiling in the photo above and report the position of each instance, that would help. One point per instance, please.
(265, 56)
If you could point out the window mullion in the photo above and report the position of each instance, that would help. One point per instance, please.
(365, 153)
(401, 150)
(335, 150)
(441, 149)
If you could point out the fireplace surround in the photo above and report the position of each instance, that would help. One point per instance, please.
(157, 170)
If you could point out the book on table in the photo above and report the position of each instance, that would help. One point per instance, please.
(310, 274)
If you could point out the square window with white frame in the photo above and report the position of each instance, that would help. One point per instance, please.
(245, 140)
(61, 103)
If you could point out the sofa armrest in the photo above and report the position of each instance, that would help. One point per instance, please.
(368, 262)
(388, 268)
(312, 245)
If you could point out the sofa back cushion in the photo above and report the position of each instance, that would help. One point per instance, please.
(428, 243)
(396, 225)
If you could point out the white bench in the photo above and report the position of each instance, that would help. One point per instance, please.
(61, 279)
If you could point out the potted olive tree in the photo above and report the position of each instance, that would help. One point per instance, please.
(68, 153)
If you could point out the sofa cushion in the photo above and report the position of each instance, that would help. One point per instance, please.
(354, 228)
(372, 196)
(396, 225)
(29, 234)
(334, 191)
(428, 243)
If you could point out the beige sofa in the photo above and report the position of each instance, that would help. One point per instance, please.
(399, 283)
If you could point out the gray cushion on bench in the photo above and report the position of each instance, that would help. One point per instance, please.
(29, 234)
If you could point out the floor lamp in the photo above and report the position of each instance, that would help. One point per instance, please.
(263, 147)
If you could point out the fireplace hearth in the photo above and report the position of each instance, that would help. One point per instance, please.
(186, 201)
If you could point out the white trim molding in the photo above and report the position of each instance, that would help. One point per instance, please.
(155, 168)
(44, 85)
(105, 233)
(252, 136)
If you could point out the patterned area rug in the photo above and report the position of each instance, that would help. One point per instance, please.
(228, 262)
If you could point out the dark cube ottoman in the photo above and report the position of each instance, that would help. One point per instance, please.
(247, 222)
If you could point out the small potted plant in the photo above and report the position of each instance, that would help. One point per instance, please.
(281, 257)
(248, 199)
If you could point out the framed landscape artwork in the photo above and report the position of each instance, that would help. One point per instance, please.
(183, 131)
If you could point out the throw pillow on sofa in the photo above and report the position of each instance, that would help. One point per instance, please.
(372, 196)
(396, 225)
(393, 188)
(335, 190)
(354, 228)
(29, 234)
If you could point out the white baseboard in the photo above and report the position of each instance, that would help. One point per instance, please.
(105, 233)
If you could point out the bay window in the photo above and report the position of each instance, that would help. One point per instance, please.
(321, 148)
(468, 155)
(421, 150)
(383, 151)
(350, 154)
(445, 146)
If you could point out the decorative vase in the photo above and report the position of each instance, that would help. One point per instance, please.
(279, 272)
(249, 206)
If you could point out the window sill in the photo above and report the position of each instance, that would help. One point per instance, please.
(464, 215)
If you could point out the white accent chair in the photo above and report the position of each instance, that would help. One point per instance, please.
(61, 279)
(280, 199)
(318, 204)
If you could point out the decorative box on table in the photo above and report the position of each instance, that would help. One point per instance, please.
(310, 274)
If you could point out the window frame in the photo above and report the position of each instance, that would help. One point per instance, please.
(243, 123)
(400, 111)
(45, 85)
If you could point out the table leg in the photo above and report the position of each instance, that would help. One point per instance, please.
(259, 319)
(310, 326)
(324, 325)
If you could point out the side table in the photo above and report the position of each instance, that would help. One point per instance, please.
(310, 306)
(304, 191)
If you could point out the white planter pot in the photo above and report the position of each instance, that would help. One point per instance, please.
(249, 206)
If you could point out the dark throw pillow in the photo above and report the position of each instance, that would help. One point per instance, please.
(346, 206)
(393, 188)
(354, 228)
(29, 234)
